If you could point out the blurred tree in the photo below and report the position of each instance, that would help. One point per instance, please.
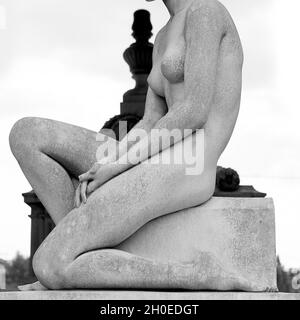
(285, 278)
(17, 272)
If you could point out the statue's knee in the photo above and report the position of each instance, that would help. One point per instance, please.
(50, 273)
(24, 134)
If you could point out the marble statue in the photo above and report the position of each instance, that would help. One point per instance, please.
(195, 83)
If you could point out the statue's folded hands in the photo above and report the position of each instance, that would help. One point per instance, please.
(95, 178)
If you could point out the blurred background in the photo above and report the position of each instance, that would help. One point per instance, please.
(63, 60)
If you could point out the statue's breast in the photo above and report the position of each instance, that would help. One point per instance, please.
(172, 64)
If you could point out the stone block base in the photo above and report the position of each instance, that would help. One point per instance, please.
(237, 232)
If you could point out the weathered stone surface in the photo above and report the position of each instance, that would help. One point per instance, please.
(144, 295)
(217, 262)
(238, 232)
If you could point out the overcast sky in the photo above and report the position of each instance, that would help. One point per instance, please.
(62, 59)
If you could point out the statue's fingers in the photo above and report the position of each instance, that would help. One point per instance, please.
(77, 197)
(94, 168)
(83, 191)
(86, 176)
(94, 185)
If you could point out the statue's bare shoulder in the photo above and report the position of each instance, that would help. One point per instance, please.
(212, 15)
(209, 7)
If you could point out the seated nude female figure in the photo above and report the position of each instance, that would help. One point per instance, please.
(195, 83)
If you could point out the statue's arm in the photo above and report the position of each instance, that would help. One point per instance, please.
(155, 109)
(204, 31)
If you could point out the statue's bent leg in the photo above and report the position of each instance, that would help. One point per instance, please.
(80, 252)
(50, 153)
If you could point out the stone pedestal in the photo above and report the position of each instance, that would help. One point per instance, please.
(238, 232)
(41, 224)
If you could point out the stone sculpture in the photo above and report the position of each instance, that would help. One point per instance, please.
(195, 83)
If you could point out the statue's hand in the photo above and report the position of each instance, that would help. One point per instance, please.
(80, 194)
(93, 179)
(84, 179)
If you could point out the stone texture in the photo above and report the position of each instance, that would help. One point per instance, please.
(238, 232)
(144, 295)
(169, 78)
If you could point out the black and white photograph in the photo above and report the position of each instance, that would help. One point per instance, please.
(149, 152)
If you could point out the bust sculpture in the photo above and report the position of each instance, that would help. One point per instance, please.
(194, 84)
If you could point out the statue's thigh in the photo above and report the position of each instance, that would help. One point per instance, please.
(74, 147)
(124, 204)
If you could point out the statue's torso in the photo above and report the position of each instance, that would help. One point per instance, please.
(167, 79)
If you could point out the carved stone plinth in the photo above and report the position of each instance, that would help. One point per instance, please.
(238, 232)
(41, 223)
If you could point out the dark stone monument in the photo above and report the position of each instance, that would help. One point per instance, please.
(41, 223)
(139, 58)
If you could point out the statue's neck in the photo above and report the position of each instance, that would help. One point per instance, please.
(175, 6)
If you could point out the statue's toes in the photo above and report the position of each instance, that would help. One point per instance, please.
(242, 284)
(37, 286)
(27, 287)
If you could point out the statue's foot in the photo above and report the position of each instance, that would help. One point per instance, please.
(210, 274)
(233, 282)
(36, 286)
